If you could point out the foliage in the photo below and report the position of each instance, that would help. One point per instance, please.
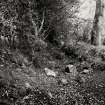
(24, 26)
(21, 26)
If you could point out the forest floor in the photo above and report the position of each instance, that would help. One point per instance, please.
(71, 81)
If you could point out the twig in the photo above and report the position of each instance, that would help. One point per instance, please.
(34, 24)
(42, 23)
(35, 27)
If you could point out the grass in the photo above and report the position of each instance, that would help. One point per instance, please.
(45, 90)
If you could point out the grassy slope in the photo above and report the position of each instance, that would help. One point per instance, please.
(29, 85)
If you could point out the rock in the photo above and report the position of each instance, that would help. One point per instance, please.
(26, 97)
(86, 71)
(50, 72)
(62, 89)
(27, 85)
(50, 94)
(71, 69)
(1, 65)
(80, 79)
(64, 81)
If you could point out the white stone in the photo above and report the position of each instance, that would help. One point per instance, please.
(49, 93)
(28, 85)
(86, 71)
(64, 81)
(50, 72)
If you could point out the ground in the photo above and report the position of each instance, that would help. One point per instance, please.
(30, 85)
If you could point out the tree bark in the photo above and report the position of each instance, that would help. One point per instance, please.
(95, 31)
(98, 33)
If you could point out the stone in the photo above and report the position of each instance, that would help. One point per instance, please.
(71, 69)
(50, 72)
(80, 79)
(50, 94)
(83, 80)
(27, 85)
(86, 71)
(64, 81)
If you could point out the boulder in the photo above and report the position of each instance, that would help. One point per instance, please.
(50, 72)
(71, 69)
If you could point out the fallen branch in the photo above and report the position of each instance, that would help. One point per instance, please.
(42, 23)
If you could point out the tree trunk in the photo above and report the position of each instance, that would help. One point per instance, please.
(95, 31)
(98, 33)
(101, 25)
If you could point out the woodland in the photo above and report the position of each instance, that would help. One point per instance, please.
(52, 52)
